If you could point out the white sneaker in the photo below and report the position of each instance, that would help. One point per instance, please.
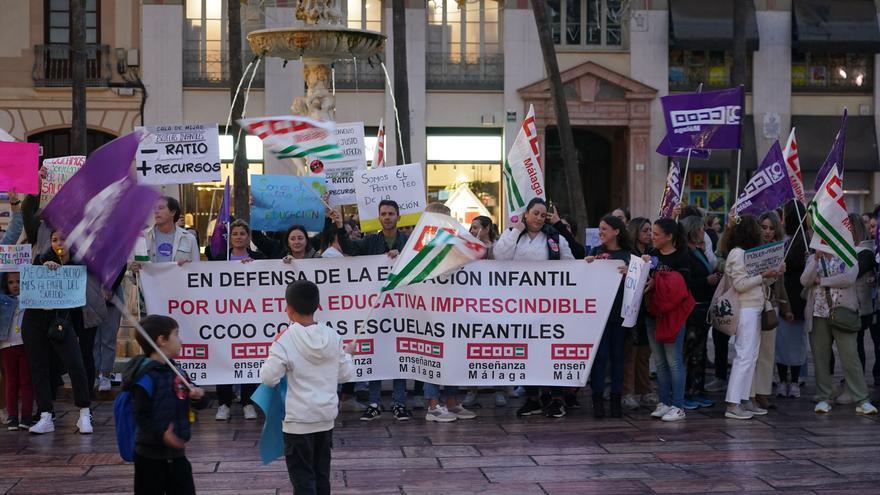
(418, 402)
(518, 392)
(674, 414)
(630, 403)
(661, 410)
(867, 409)
(650, 400)
(844, 398)
(462, 413)
(250, 412)
(716, 385)
(223, 413)
(794, 391)
(84, 423)
(753, 408)
(469, 399)
(440, 414)
(738, 412)
(822, 407)
(104, 384)
(44, 425)
(500, 399)
(351, 405)
(782, 390)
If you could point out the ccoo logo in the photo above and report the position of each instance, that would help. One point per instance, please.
(570, 351)
(420, 347)
(498, 351)
(193, 351)
(251, 350)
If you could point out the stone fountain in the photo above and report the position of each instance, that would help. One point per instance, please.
(321, 42)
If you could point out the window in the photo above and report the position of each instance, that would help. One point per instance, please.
(464, 45)
(53, 60)
(364, 14)
(206, 41)
(58, 22)
(361, 74)
(711, 68)
(850, 72)
(588, 23)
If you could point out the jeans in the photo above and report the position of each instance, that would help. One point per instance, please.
(432, 391)
(611, 348)
(398, 395)
(821, 337)
(670, 366)
(105, 340)
(163, 476)
(308, 462)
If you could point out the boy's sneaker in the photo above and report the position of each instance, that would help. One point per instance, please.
(104, 384)
(469, 399)
(630, 403)
(44, 425)
(530, 408)
(462, 413)
(500, 399)
(823, 407)
(401, 413)
(12, 424)
(440, 414)
(781, 390)
(738, 413)
(674, 414)
(555, 409)
(867, 409)
(753, 408)
(223, 413)
(660, 410)
(250, 412)
(794, 391)
(84, 423)
(371, 413)
(716, 385)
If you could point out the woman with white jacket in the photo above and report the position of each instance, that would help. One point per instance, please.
(830, 284)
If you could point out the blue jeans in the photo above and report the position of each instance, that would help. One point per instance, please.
(432, 391)
(610, 347)
(398, 395)
(670, 365)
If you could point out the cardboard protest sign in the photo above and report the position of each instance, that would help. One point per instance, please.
(43, 288)
(340, 172)
(19, 167)
(762, 258)
(633, 290)
(178, 154)
(13, 256)
(404, 184)
(58, 170)
(284, 200)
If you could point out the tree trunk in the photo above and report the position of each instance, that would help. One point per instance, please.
(241, 192)
(741, 11)
(401, 83)
(78, 143)
(571, 167)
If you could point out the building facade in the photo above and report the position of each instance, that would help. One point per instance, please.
(474, 68)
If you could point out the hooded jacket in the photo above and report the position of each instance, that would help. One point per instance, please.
(312, 359)
(673, 308)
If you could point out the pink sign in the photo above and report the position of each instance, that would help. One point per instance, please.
(19, 163)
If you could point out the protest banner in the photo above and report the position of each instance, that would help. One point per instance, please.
(178, 154)
(633, 290)
(58, 170)
(489, 323)
(340, 172)
(19, 166)
(405, 184)
(13, 256)
(762, 258)
(284, 200)
(42, 288)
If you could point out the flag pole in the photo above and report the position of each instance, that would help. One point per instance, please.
(687, 164)
(738, 165)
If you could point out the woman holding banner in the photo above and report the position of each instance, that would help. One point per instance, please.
(637, 361)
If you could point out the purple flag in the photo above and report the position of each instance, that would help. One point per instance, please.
(672, 192)
(219, 236)
(835, 156)
(101, 209)
(768, 188)
(708, 120)
(666, 149)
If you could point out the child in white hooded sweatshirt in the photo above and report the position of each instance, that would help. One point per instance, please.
(314, 360)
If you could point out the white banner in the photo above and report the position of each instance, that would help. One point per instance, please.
(633, 290)
(404, 184)
(178, 154)
(58, 170)
(491, 323)
(762, 258)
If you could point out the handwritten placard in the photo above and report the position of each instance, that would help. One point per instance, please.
(404, 184)
(340, 173)
(43, 288)
(178, 154)
(762, 258)
(58, 170)
(284, 200)
(13, 256)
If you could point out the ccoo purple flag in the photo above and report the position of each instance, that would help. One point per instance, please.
(768, 188)
(835, 156)
(101, 209)
(708, 120)
(666, 149)
(220, 233)
(672, 192)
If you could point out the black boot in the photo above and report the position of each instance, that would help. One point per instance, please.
(598, 406)
(616, 409)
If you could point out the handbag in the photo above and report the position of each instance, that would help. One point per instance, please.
(841, 318)
(769, 317)
(724, 309)
(59, 326)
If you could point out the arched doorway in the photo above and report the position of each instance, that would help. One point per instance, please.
(56, 142)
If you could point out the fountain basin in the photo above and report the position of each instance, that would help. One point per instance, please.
(316, 43)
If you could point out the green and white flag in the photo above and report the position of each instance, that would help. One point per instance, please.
(295, 137)
(523, 176)
(438, 245)
(830, 223)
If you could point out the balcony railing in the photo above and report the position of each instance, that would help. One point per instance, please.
(485, 73)
(210, 68)
(53, 65)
